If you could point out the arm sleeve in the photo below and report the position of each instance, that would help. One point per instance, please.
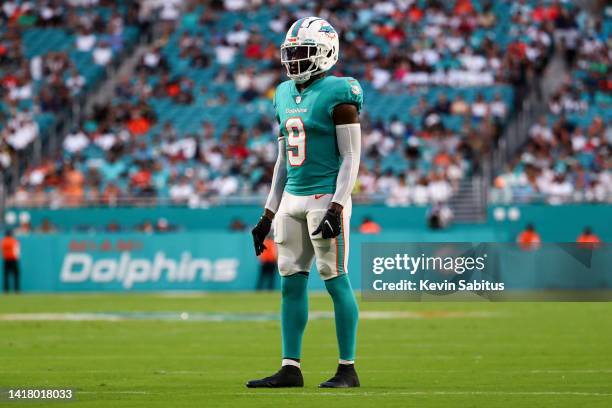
(279, 178)
(349, 145)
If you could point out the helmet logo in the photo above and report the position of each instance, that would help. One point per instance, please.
(328, 30)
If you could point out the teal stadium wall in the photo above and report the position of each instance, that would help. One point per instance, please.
(555, 223)
(206, 257)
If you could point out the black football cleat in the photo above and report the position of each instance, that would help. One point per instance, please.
(287, 376)
(346, 377)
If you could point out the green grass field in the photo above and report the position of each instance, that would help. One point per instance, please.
(409, 354)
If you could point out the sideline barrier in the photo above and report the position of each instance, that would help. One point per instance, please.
(196, 261)
(206, 261)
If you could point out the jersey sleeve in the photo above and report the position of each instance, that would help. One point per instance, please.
(348, 90)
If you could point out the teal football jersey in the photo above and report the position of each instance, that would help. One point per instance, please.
(306, 122)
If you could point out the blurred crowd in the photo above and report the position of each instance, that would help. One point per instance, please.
(563, 162)
(568, 156)
(50, 53)
(225, 53)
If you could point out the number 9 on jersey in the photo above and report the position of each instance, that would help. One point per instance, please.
(296, 140)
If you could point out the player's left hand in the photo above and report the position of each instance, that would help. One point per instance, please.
(330, 224)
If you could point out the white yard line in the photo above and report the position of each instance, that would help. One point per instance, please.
(223, 317)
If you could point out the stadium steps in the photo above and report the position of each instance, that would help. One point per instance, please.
(555, 74)
(127, 68)
(530, 109)
(469, 203)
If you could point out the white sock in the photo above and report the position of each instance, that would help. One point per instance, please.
(346, 362)
(288, 361)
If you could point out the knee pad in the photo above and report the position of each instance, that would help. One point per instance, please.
(325, 269)
(285, 265)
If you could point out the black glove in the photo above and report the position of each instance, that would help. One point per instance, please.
(330, 225)
(260, 232)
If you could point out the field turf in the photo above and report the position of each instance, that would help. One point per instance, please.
(142, 354)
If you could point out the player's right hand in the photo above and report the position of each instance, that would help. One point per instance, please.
(260, 232)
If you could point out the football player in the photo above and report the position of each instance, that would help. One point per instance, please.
(310, 198)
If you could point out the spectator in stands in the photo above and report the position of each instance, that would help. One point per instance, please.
(541, 130)
(55, 95)
(141, 183)
(112, 195)
(171, 10)
(369, 226)
(48, 68)
(400, 193)
(480, 108)
(226, 185)
(5, 157)
(238, 36)
(102, 54)
(224, 52)
(138, 123)
(75, 82)
(73, 191)
(387, 182)
(20, 131)
(498, 108)
(85, 40)
(75, 141)
(559, 190)
(420, 193)
(10, 257)
(181, 192)
(402, 53)
(153, 60)
(459, 106)
(443, 105)
(440, 189)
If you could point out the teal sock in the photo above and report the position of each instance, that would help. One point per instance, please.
(347, 314)
(294, 313)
